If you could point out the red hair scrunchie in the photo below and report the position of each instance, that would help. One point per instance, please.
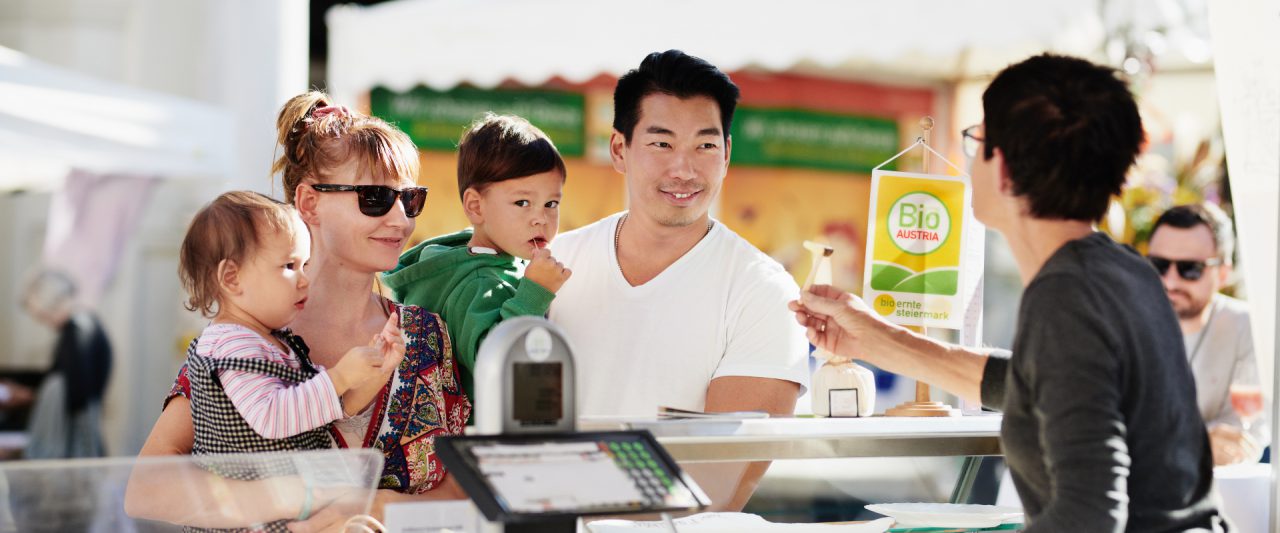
(321, 112)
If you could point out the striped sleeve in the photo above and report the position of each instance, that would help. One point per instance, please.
(274, 408)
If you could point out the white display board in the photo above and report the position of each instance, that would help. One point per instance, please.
(1246, 35)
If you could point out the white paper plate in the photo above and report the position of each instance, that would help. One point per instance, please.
(946, 514)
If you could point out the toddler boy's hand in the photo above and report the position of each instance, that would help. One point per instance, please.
(546, 271)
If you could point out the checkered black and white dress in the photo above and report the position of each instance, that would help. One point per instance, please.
(422, 400)
(220, 429)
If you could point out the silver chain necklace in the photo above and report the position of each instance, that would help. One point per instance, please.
(617, 236)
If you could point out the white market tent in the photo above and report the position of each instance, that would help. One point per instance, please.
(442, 43)
(945, 44)
(52, 120)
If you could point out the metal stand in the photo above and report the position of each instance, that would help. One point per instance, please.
(964, 484)
(923, 406)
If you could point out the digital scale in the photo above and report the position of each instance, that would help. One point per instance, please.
(525, 467)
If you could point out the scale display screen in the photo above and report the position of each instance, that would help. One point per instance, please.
(538, 391)
(571, 474)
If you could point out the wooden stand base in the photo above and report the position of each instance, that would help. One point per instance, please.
(922, 406)
(922, 409)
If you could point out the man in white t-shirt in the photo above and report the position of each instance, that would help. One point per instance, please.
(668, 307)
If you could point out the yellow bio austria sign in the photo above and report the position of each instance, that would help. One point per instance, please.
(915, 242)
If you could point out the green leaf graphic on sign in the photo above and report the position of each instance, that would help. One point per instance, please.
(942, 282)
(885, 276)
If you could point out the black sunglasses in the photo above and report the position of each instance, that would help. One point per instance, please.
(1188, 269)
(376, 200)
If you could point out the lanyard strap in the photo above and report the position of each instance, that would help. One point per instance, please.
(920, 142)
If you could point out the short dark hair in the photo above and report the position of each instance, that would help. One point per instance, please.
(675, 73)
(1069, 131)
(1206, 214)
(504, 147)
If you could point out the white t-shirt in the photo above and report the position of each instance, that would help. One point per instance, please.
(720, 310)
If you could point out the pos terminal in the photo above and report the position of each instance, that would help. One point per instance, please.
(526, 468)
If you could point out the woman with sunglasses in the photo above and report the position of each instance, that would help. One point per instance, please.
(352, 178)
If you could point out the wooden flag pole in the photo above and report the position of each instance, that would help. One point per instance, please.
(923, 406)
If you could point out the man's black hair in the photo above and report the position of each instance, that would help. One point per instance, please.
(1210, 216)
(675, 73)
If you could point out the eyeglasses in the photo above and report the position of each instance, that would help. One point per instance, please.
(1189, 270)
(376, 200)
(970, 141)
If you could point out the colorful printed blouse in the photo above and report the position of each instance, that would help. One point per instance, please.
(422, 400)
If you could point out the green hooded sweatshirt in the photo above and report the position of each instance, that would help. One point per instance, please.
(471, 290)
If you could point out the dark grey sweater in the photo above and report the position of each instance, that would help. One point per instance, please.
(1101, 430)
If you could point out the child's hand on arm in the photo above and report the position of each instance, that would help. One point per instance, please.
(546, 271)
(384, 353)
(390, 343)
(358, 365)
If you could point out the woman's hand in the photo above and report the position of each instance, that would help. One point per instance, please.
(335, 512)
(332, 517)
(837, 321)
(842, 324)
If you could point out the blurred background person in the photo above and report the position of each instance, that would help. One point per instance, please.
(66, 418)
(1191, 247)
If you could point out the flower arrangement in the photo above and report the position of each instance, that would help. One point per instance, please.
(1153, 187)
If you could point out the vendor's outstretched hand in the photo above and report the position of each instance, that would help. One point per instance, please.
(834, 321)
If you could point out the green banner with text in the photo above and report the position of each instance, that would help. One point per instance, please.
(435, 119)
(812, 139)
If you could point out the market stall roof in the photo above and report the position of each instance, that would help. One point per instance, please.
(443, 43)
(53, 119)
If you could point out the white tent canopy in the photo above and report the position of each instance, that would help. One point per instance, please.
(442, 43)
(53, 119)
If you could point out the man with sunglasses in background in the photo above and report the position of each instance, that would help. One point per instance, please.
(1191, 248)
